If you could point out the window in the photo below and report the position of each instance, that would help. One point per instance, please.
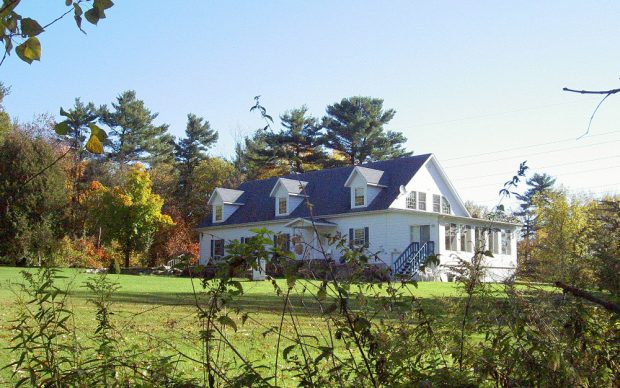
(422, 201)
(494, 241)
(451, 237)
(445, 205)
(217, 248)
(359, 197)
(436, 203)
(465, 238)
(506, 242)
(282, 206)
(412, 200)
(358, 237)
(218, 213)
(282, 241)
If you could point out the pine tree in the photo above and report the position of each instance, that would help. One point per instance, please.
(297, 145)
(354, 127)
(190, 152)
(133, 136)
(539, 185)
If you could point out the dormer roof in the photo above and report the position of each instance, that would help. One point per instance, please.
(372, 176)
(228, 196)
(292, 186)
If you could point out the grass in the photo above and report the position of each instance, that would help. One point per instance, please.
(163, 307)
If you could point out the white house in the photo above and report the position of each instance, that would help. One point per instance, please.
(403, 210)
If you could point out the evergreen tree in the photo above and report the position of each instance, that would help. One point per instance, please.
(250, 161)
(190, 151)
(30, 213)
(354, 127)
(538, 186)
(298, 144)
(133, 136)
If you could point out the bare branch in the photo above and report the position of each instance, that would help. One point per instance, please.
(607, 93)
(587, 296)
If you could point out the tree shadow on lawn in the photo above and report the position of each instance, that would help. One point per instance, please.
(303, 305)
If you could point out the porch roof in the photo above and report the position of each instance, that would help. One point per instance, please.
(300, 222)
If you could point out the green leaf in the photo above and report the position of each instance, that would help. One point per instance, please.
(94, 145)
(62, 128)
(92, 15)
(30, 50)
(64, 112)
(68, 2)
(97, 131)
(227, 321)
(103, 4)
(31, 27)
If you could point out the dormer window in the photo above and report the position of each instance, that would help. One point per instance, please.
(282, 206)
(359, 197)
(218, 213)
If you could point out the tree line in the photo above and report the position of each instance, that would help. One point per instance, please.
(74, 189)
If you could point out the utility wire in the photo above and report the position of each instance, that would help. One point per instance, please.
(533, 154)
(538, 168)
(527, 146)
(568, 173)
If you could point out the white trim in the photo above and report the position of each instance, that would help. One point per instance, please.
(451, 187)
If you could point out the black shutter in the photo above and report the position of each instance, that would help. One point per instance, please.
(275, 241)
(288, 242)
(212, 247)
(351, 237)
(366, 237)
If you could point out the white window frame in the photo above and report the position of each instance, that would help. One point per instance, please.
(445, 205)
(436, 203)
(215, 211)
(465, 232)
(357, 239)
(354, 196)
(451, 238)
(411, 202)
(421, 203)
(506, 242)
(278, 199)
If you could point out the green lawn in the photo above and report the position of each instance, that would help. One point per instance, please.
(163, 307)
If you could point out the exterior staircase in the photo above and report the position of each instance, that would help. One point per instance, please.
(413, 257)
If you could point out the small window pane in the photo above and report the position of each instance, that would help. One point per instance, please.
(422, 201)
(506, 242)
(359, 196)
(359, 237)
(445, 205)
(218, 248)
(450, 237)
(436, 203)
(412, 200)
(219, 212)
(282, 206)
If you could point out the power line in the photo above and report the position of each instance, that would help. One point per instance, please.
(539, 167)
(528, 146)
(568, 173)
(533, 154)
(493, 114)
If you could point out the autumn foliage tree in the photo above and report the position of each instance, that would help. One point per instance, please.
(129, 214)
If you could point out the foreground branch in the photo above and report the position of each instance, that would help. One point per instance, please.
(611, 91)
(586, 295)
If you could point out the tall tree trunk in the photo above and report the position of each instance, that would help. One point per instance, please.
(127, 254)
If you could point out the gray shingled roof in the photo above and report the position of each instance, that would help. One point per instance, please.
(372, 176)
(229, 195)
(293, 186)
(325, 190)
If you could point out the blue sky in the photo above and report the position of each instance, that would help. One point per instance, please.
(466, 78)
